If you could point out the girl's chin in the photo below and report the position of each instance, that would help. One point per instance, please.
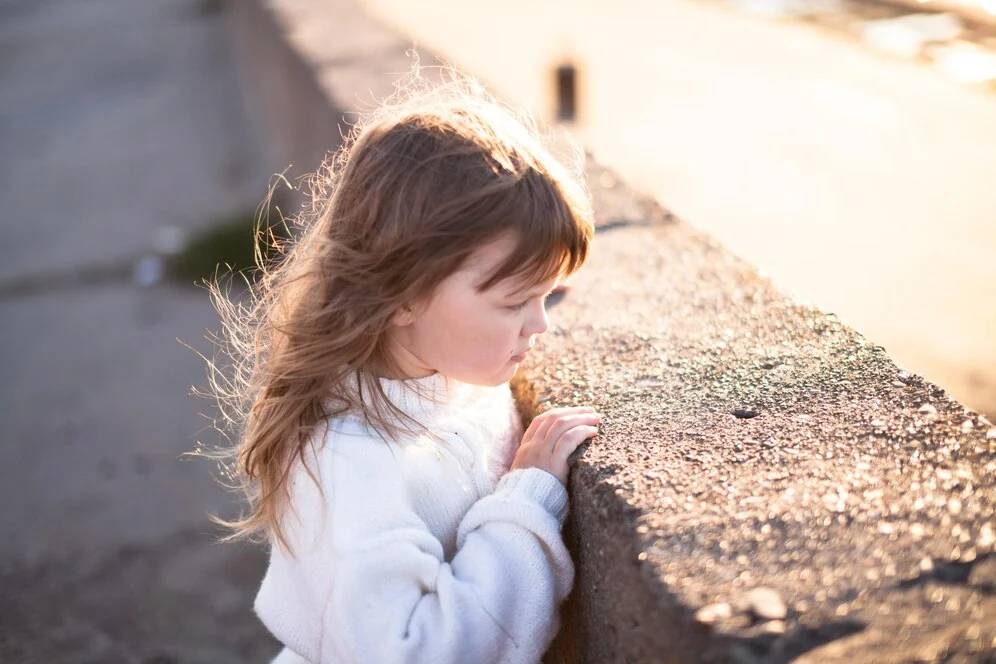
(511, 370)
(500, 377)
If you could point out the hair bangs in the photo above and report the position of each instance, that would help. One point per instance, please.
(553, 233)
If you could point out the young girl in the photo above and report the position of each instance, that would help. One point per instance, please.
(410, 517)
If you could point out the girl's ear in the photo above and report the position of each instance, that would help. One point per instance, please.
(405, 315)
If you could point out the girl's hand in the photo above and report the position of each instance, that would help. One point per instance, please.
(552, 436)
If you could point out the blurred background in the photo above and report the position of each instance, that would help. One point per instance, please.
(848, 149)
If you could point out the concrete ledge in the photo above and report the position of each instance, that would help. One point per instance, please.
(768, 484)
(860, 495)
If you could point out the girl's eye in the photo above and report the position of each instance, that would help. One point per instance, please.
(522, 305)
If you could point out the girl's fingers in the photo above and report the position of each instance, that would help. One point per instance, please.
(567, 410)
(541, 424)
(572, 439)
(556, 413)
(564, 424)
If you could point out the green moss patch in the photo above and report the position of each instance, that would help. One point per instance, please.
(226, 250)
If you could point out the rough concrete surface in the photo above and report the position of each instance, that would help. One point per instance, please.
(750, 442)
(116, 118)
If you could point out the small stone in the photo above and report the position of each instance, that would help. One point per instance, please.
(744, 414)
(835, 501)
(773, 627)
(991, 434)
(926, 565)
(877, 423)
(954, 506)
(904, 377)
(927, 409)
(987, 537)
(967, 426)
(713, 613)
(767, 604)
(896, 383)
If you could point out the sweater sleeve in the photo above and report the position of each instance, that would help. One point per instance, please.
(394, 597)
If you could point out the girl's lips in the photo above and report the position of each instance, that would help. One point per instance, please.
(520, 357)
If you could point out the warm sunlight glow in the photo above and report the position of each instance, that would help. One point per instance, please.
(856, 174)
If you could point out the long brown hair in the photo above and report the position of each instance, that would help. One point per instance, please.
(433, 174)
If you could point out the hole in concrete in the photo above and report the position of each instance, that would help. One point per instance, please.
(744, 414)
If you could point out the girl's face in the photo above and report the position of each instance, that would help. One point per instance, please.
(476, 338)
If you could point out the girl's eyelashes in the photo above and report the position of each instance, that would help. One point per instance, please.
(522, 305)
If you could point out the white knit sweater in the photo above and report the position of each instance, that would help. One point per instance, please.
(419, 551)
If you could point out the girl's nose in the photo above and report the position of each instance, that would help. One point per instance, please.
(538, 321)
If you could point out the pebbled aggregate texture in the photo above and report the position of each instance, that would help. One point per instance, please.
(767, 484)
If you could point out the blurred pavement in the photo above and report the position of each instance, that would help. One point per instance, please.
(117, 118)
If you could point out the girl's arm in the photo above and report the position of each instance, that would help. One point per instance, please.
(391, 596)
(395, 599)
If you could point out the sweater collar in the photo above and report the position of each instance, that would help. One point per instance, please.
(422, 397)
